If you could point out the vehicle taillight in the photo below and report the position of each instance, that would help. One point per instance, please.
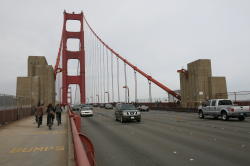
(232, 110)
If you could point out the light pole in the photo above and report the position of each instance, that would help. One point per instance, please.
(108, 96)
(126, 87)
(98, 98)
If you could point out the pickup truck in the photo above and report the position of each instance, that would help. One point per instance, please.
(223, 108)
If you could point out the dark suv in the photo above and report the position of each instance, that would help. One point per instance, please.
(127, 112)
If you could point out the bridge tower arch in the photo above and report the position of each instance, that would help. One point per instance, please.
(69, 54)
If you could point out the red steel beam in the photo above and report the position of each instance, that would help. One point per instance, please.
(150, 78)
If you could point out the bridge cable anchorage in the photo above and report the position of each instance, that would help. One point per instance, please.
(126, 85)
(118, 80)
(112, 77)
(150, 94)
(162, 86)
(135, 86)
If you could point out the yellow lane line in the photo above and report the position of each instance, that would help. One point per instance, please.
(36, 149)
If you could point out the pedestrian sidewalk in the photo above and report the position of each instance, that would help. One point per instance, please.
(22, 143)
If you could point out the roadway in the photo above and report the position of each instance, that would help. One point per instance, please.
(168, 138)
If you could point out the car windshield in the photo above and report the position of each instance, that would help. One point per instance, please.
(225, 102)
(127, 107)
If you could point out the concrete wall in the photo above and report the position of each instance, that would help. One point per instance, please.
(218, 88)
(27, 90)
(39, 86)
(198, 85)
(33, 61)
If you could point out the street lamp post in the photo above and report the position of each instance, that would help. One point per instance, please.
(108, 96)
(126, 87)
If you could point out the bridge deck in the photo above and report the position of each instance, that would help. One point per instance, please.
(22, 143)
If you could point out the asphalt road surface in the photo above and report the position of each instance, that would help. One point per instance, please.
(168, 138)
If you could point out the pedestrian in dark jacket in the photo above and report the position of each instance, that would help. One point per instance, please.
(58, 114)
(50, 114)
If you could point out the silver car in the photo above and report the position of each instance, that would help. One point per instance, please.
(127, 112)
(86, 111)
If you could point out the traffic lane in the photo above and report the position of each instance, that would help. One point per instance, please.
(159, 138)
(116, 144)
(219, 145)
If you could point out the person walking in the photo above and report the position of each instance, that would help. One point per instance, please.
(50, 115)
(58, 114)
(34, 111)
(39, 116)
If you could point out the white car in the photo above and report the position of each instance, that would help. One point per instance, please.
(86, 111)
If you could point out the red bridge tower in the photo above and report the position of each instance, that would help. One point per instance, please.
(67, 55)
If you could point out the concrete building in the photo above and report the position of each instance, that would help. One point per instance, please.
(39, 86)
(197, 84)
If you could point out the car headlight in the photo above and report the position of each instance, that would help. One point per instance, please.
(124, 113)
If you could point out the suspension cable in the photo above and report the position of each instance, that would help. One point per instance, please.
(118, 81)
(112, 79)
(135, 86)
(103, 65)
(97, 74)
(92, 69)
(150, 95)
(94, 72)
(100, 71)
(107, 73)
(162, 86)
(126, 86)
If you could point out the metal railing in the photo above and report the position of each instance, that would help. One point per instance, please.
(83, 148)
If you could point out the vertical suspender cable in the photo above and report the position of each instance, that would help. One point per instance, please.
(92, 70)
(135, 87)
(150, 95)
(125, 79)
(100, 71)
(112, 79)
(103, 62)
(94, 97)
(107, 73)
(97, 72)
(118, 81)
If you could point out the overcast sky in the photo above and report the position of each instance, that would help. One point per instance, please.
(159, 36)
